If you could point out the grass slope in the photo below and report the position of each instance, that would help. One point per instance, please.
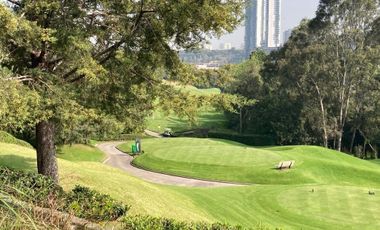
(8, 138)
(79, 152)
(289, 206)
(144, 197)
(229, 161)
(208, 117)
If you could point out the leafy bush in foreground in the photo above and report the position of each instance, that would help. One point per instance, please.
(157, 223)
(42, 191)
(92, 205)
(29, 187)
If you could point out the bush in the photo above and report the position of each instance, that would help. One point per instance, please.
(42, 191)
(248, 139)
(92, 205)
(8, 138)
(29, 187)
(158, 223)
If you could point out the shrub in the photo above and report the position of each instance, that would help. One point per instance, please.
(158, 223)
(29, 187)
(42, 191)
(92, 205)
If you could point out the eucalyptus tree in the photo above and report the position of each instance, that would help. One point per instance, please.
(346, 58)
(328, 61)
(87, 56)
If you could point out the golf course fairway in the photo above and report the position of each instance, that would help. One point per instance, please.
(329, 193)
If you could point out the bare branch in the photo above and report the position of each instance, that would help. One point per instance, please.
(19, 78)
(14, 2)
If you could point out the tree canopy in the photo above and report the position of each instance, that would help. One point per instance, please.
(322, 86)
(95, 62)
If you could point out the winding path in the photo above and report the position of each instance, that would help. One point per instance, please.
(118, 159)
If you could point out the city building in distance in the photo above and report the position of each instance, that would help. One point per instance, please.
(262, 25)
(287, 35)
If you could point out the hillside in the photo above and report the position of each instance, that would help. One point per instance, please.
(217, 159)
(145, 198)
(291, 206)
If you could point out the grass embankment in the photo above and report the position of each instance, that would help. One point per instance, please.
(8, 138)
(292, 206)
(325, 190)
(230, 161)
(208, 117)
(145, 198)
(79, 152)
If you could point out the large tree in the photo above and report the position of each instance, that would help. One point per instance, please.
(327, 63)
(100, 56)
(322, 86)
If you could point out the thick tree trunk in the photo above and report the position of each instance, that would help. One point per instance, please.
(46, 160)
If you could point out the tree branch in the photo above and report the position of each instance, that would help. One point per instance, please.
(14, 2)
(111, 50)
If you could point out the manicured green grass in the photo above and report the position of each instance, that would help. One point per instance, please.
(292, 206)
(332, 205)
(79, 152)
(229, 161)
(195, 90)
(210, 118)
(145, 198)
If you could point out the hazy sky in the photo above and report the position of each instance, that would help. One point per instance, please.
(293, 11)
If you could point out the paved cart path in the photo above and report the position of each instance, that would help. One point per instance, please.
(152, 133)
(118, 159)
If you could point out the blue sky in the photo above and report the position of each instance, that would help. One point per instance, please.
(293, 11)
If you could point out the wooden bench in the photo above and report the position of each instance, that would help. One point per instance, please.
(285, 165)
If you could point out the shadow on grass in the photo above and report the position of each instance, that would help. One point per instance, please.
(225, 141)
(278, 148)
(17, 162)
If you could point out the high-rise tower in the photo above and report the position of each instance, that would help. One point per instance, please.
(262, 25)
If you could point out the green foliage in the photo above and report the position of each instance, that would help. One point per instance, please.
(93, 66)
(29, 187)
(247, 86)
(157, 223)
(42, 191)
(92, 205)
(79, 125)
(8, 138)
(322, 86)
(184, 107)
(53, 54)
(18, 105)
